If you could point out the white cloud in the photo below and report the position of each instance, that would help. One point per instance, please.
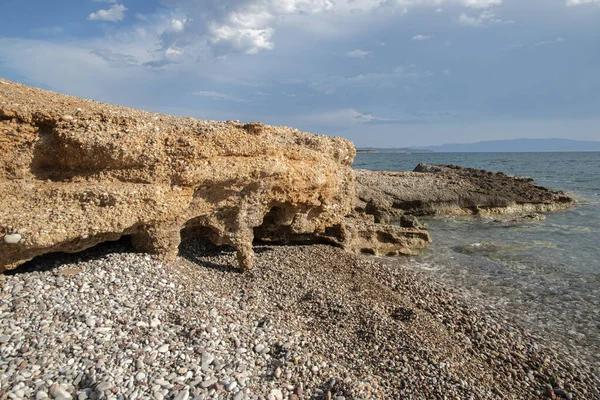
(544, 43)
(116, 60)
(571, 3)
(371, 80)
(218, 96)
(76, 69)
(438, 3)
(517, 46)
(480, 3)
(105, 1)
(485, 18)
(446, 72)
(249, 26)
(173, 52)
(178, 25)
(113, 14)
(344, 118)
(422, 37)
(358, 53)
(247, 40)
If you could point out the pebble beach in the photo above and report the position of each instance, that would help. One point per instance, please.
(308, 322)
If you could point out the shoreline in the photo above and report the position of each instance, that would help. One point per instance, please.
(309, 321)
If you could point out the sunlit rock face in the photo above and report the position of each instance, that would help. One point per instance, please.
(75, 173)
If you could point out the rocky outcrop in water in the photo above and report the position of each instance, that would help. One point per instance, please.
(75, 173)
(436, 189)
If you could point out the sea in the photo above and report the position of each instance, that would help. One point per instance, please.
(545, 274)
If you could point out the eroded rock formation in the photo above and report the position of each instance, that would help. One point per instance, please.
(357, 233)
(435, 189)
(75, 172)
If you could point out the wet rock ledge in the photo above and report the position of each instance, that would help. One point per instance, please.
(440, 190)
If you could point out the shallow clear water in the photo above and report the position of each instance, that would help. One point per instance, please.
(547, 273)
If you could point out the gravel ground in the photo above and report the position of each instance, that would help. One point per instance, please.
(309, 322)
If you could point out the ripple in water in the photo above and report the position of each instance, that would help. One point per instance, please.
(545, 273)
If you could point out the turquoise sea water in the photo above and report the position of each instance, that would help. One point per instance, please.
(545, 273)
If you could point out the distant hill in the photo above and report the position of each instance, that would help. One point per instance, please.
(518, 145)
(404, 150)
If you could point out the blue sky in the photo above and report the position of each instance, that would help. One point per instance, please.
(383, 73)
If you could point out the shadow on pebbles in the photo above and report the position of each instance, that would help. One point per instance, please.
(309, 322)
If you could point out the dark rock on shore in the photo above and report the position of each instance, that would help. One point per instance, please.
(437, 189)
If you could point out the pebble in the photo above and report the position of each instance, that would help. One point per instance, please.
(183, 395)
(13, 238)
(259, 348)
(164, 348)
(209, 382)
(61, 394)
(85, 328)
(162, 382)
(104, 386)
(239, 396)
(277, 394)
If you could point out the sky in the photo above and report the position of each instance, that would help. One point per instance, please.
(383, 73)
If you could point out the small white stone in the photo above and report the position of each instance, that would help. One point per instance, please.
(183, 395)
(276, 393)
(259, 348)
(161, 382)
(164, 348)
(238, 396)
(154, 323)
(12, 238)
(41, 395)
(62, 394)
(158, 396)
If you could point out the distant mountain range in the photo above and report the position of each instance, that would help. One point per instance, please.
(403, 150)
(516, 145)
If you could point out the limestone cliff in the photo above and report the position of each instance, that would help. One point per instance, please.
(75, 172)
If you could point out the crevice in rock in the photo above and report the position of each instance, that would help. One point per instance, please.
(53, 260)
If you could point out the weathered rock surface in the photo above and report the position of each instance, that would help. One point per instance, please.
(75, 172)
(435, 189)
(358, 234)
